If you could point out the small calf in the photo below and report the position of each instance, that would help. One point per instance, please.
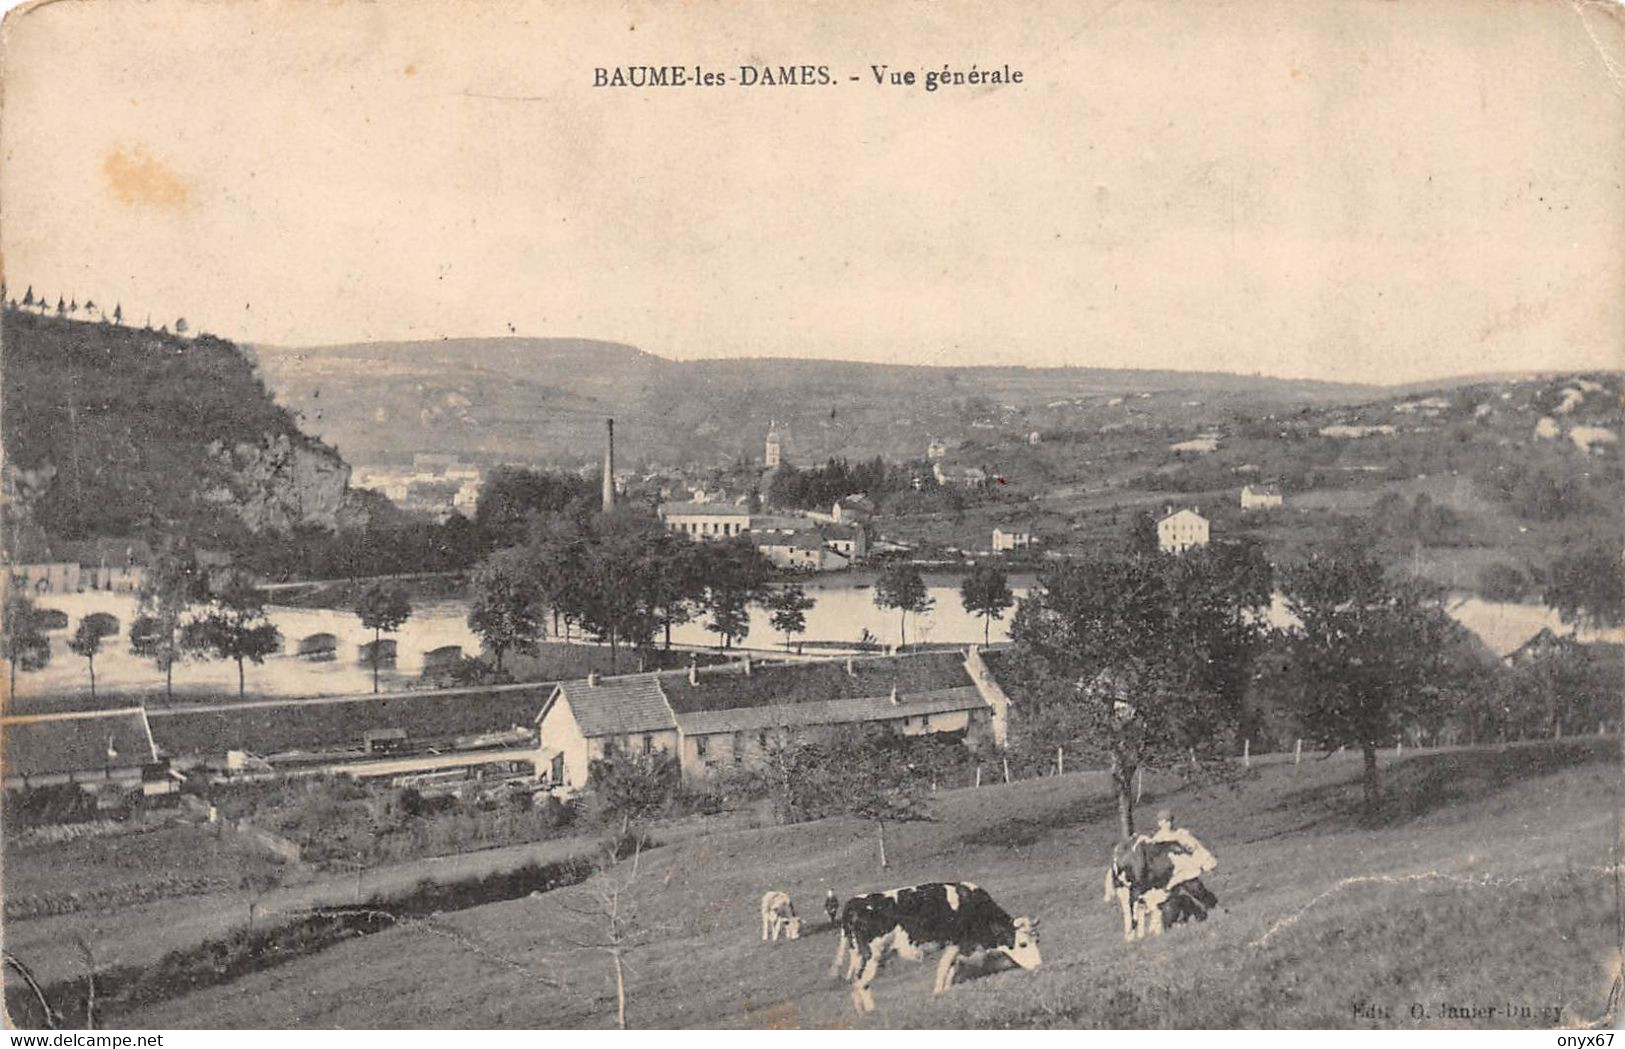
(779, 916)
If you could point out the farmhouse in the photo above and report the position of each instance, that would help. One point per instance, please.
(98, 749)
(584, 720)
(1260, 497)
(1180, 530)
(723, 717)
(736, 715)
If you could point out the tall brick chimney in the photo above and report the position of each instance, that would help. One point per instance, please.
(609, 468)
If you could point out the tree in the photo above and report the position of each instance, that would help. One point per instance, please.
(677, 586)
(233, 626)
(986, 593)
(1116, 658)
(61, 307)
(28, 296)
(900, 586)
(862, 772)
(629, 786)
(1586, 588)
(504, 607)
(735, 575)
(118, 313)
(383, 608)
(23, 633)
(788, 607)
(171, 587)
(618, 566)
(181, 327)
(87, 642)
(1369, 653)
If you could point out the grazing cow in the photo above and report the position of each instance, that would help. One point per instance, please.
(1138, 880)
(960, 917)
(779, 916)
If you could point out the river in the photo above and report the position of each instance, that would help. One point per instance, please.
(845, 609)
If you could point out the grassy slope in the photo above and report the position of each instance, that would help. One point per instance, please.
(1496, 892)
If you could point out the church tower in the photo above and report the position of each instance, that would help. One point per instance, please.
(770, 455)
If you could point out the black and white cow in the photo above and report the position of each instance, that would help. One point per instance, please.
(1138, 880)
(960, 917)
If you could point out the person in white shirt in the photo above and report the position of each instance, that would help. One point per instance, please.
(1191, 860)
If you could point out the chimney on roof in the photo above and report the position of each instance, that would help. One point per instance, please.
(609, 468)
(694, 675)
(894, 699)
(592, 679)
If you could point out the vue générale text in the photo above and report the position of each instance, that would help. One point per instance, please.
(802, 75)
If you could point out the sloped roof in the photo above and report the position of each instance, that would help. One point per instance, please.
(75, 741)
(707, 509)
(730, 688)
(617, 706)
(829, 712)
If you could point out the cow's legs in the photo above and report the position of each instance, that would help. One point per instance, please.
(1152, 902)
(767, 921)
(1127, 905)
(947, 968)
(840, 954)
(862, 998)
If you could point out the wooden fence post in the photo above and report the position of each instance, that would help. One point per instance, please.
(1297, 752)
(1399, 747)
(1007, 770)
(978, 775)
(1246, 753)
(1139, 783)
(1060, 761)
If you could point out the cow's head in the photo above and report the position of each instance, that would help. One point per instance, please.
(1024, 951)
(792, 928)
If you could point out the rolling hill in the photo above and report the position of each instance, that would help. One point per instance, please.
(544, 400)
(1488, 879)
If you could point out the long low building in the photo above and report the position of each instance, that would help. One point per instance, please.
(719, 718)
(96, 749)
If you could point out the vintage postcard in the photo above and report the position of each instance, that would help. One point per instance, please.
(864, 515)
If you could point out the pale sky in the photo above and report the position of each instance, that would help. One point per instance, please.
(1372, 191)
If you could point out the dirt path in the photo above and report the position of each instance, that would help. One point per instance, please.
(141, 935)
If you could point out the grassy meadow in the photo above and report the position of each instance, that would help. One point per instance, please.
(1488, 881)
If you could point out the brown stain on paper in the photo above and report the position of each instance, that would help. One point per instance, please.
(139, 179)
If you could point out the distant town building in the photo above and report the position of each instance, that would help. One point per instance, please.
(960, 475)
(59, 577)
(706, 520)
(802, 551)
(772, 452)
(936, 449)
(1260, 496)
(1181, 530)
(1012, 538)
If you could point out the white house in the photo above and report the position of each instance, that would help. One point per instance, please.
(1260, 496)
(1012, 538)
(1181, 530)
(584, 720)
(723, 717)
